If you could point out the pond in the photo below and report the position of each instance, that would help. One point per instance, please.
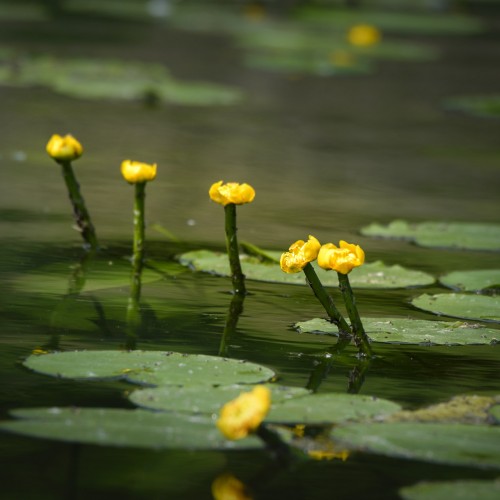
(328, 154)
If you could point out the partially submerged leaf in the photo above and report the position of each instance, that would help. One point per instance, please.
(370, 275)
(458, 490)
(330, 409)
(460, 305)
(203, 399)
(412, 331)
(149, 367)
(120, 427)
(458, 444)
(472, 281)
(464, 235)
(482, 106)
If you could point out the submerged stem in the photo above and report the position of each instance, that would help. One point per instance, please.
(80, 212)
(325, 299)
(360, 337)
(233, 252)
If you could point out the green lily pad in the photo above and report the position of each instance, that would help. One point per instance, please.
(392, 22)
(482, 106)
(412, 331)
(120, 427)
(458, 444)
(460, 305)
(203, 399)
(109, 79)
(472, 281)
(149, 367)
(458, 490)
(330, 409)
(370, 275)
(495, 413)
(462, 235)
(62, 278)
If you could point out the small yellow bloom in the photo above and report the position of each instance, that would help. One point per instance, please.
(227, 487)
(65, 148)
(39, 351)
(243, 415)
(299, 254)
(135, 171)
(328, 455)
(342, 259)
(364, 35)
(231, 192)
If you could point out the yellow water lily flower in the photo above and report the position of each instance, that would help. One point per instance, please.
(228, 487)
(243, 415)
(65, 148)
(299, 254)
(328, 455)
(135, 172)
(364, 35)
(231, 192)
(342, 259)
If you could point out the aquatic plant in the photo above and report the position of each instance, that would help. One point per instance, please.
(229, 195)
(65, 149)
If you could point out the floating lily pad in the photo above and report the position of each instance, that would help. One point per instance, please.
(495, 413)
(330, 409)
(149, 367)
(458, 490)
(459, 444)
(460, 305)
(370, 275)
(412, 331)
(102, 79)
(120, 427)
(483, 106)
(203, 399)
(62, 278)
(393, 22)
(463, 235)
(472, 281)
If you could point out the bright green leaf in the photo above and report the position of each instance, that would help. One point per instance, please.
(412, 331)
(465, 235)
(370, 275)
(120, 427)
(149, 367)
(330, 409)
(472, 281)
(203, 399)
(460, 305)
(459, 444)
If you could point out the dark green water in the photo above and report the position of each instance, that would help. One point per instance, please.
(326, 156)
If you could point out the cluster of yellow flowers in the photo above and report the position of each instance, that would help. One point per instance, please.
(67, 148)
(342, 259)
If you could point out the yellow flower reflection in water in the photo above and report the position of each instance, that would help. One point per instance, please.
(299, 254)
(243, 415)
(364, 35)
(342, 259)
(228, 487)
(65, 148)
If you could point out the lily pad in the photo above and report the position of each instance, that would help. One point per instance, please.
(370, 275)
(120, 427)
(460, 305)
(495, 413)
(464, 235)
(203, 399)
(458, 444)
(330, 409)
(412, 331)
(458, 490)
(482, 106)
(112, 79)
(149, 367)
(472, 281)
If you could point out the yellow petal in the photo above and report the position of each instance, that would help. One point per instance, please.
(231, 192)
(65, 148)
(135, 171)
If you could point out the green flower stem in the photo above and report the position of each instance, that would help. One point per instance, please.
(233, 315)
(274, 443)
(80, 212)
(237, 276)
(325, 299)
(360, 337)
